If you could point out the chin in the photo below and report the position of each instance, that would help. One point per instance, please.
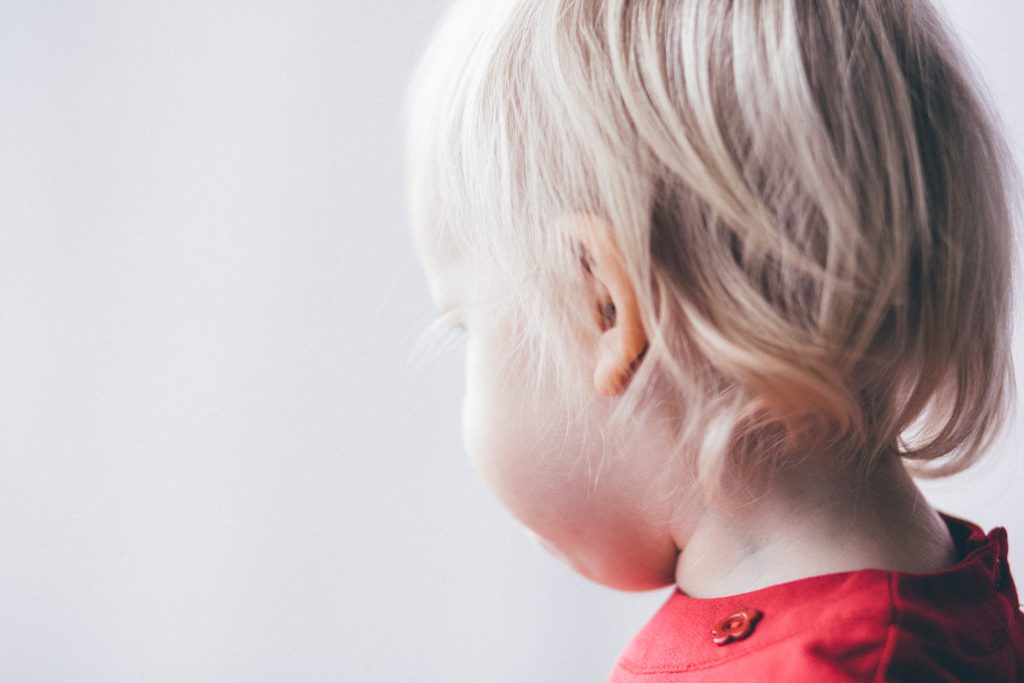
(610, 551)
(626, 575)
(609, 535)
(622, 568)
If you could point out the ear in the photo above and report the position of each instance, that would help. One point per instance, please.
(611, 296)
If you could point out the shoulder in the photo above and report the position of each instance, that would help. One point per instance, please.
(960, 623)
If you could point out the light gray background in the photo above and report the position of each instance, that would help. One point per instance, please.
(216, 462)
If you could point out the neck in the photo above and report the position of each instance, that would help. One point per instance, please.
(807, 523)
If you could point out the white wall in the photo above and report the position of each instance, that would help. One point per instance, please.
(215, 461)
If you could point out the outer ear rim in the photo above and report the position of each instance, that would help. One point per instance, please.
(624, 343)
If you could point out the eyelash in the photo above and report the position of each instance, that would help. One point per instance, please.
(450, 321)
(442, 334)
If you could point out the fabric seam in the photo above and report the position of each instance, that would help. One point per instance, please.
(889, 649)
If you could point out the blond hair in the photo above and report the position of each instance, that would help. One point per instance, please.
(813, 199)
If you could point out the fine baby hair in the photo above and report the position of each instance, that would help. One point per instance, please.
(730, 270)
(811, 197)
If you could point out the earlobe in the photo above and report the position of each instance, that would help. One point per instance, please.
(614, 372)
(623, 340)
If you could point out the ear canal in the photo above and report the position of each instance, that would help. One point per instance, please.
(608, 315)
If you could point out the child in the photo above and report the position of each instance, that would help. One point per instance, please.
(728, 270)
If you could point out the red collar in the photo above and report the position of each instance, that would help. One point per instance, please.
(681, 636)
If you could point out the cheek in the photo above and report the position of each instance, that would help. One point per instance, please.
(509, 433)
(586, 507)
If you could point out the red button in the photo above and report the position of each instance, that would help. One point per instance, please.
(736, 626)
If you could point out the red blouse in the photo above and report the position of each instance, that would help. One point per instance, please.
(961, 623)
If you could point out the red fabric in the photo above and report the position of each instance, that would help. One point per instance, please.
(962, 623)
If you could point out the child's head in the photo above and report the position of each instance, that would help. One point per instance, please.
(698, 237)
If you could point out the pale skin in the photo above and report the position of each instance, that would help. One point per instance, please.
(631, 527)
